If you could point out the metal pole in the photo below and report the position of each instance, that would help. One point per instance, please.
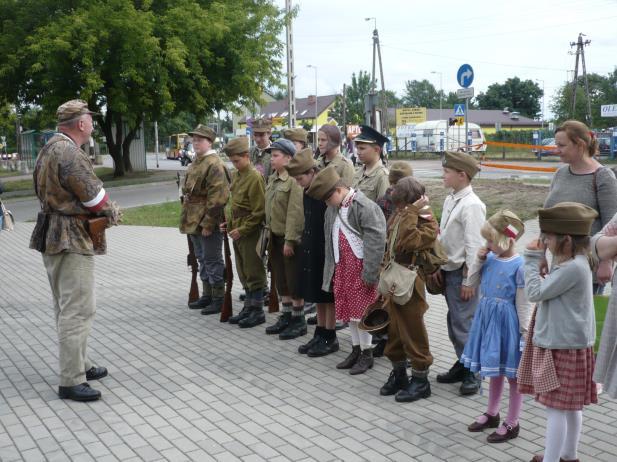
(156, 142)
(315, 69)
(345, 110)
(466, 125)
(291, 91)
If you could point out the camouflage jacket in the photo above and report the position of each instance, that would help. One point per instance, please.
(374, 183)
(285, 207)
(206, 191)
(245, 210)
(68, 191)
(261, 161)
(343, 166)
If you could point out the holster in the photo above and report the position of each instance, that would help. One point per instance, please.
(96, 230)
(39, 235)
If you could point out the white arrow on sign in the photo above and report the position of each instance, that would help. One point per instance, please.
(465, 76)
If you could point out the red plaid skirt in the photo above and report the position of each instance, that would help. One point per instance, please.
(561, 379)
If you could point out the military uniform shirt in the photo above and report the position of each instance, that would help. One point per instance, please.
(373, 183)
(206, 190)
(261, 161)
(343, 167)
(284, 207)
(246, 208)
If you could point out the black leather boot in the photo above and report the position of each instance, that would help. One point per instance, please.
(419, 388)
(312, 320)
(455, 374)
(364, 362)
(281, 323)
(325, 345)
(218, 294)
(295, 329)
(205, 299)
(397, 381)
(255, 317)
(470, 385)
(351, 359)
(240, 316)
(379, 347)
(303, 349)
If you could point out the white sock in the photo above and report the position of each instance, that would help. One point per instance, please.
(556, 428)
(574, 420)
(366, 339)
(355, 333)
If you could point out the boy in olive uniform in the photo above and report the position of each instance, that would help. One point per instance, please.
(285, 220)
(206, 190)
(244, 216)
(259, 154)
(372, 177)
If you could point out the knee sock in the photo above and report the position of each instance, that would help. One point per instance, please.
(515, 404)
(366, 340)
(287, 307)
(574, 421)
(297, 311)
(556, 428)
(355, 334)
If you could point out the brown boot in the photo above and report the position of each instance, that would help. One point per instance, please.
(364, 362)
(350, 360)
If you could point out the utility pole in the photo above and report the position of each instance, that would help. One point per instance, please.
(156, 142)
(291, 91)
(345, 110)
(580, 53)
(371, 106)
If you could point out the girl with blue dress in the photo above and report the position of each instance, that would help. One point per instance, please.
(500, 322)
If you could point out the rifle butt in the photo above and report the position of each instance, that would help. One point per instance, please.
(273, 299)
(227, 310)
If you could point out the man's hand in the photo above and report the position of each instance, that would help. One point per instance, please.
(288, 250)
(234, 234)
(467, 293)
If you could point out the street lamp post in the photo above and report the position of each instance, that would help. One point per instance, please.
(440, 91)
(543, 99)
(315, 69)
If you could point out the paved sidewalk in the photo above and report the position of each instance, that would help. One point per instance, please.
(185, 387)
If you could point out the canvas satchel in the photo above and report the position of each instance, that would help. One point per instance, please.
(7, 220)
(397, 281)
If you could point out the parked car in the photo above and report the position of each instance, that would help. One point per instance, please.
(548, 142)
(604, 144)
(8, 155)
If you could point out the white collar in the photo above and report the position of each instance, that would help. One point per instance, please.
(462, 193)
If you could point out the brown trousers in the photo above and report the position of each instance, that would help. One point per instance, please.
(407, 335)
(284, 268)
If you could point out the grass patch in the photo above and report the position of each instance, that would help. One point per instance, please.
(600, 303)
(166, 215)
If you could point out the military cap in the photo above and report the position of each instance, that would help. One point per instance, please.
(323, 183)
(284, 145)
(239, 145)
(296, 134)
(508, 224)
(73, 109)
(398, 170)
(371, 136)
(462, 162)
(302, 162)
(567, 218)
(262, 125)
(204, 131)
(375, 319)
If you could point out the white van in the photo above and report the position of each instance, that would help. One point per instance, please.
(428, 136)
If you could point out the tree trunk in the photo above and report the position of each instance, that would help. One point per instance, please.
(114, 147)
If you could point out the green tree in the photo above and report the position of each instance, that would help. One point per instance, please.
(136, 59)
(355, 93)
(420, 93)
(518, 95)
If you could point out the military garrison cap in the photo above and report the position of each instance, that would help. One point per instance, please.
(72, 109)
(296, 134)
(262, 125)
(398, 170)
(204, 131)
(284, 145)
(371, 136)
(323, 183)
(239, 145)
(508, 224)
(302, 162)
(567, 218)
(462, 162)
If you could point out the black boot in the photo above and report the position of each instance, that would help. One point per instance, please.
(312, 320)
(455, 374)
(470, 385)
(351, 359)
(295, 329)
(205, 299)
(364, 362)
(281, 323)
(419, 387)
(398, 380)
(241, 315)
(303, 349)
(218, 295)
(256, 317)
(327, 344)
(379, 347)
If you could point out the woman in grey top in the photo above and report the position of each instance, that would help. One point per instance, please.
(584, 180)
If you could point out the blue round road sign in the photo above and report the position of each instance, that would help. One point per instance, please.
(464, 76)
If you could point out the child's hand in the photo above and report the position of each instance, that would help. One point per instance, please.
(483, 252)
(467, 293)
(223, 227)
(610, 229)
(288, 250)
(234, 234)
(422, 202)
(535, 244)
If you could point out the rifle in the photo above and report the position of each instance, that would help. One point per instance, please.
(227, 311)
(273, 298)
(191, 260)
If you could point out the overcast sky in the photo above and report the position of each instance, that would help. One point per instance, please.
(500, 39)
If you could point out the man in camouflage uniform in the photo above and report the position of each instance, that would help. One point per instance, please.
(206, 190)
(262, 129)
(244, 215)
(70, 193)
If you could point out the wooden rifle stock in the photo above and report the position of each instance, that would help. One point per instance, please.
(227, 310)
(191, 261)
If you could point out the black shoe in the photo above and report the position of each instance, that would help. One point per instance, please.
(214, 308)
(312, 320)
(281, 323)
(241, 315)
(323, 347)
(81, 392)
(419, 387)
(364, 362)
(96, 373)
(303, 349)
(379, 347)
(256, 317)
(242, 297)
(455, 374)
(200, 303)
(470, 385)
(341, 325)
(351, 358)
(295, 329)
(397, 381)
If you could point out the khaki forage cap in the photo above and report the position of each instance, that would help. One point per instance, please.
(399, 169)
(508, 224)
(72, 110)
(323, 183)
(204, 131)
(302, 162)
(262, 125)
(567, 218)
(461, 161)
(238, 145)
(296, 134)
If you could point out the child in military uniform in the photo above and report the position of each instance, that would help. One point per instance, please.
(285, 221)
(298, 136)
(398, 170)
(244, 216)
(372, 177)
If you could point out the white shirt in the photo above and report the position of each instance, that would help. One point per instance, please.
(356, 244)
(461, 220)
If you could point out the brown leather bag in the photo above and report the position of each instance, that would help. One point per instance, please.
(96, 230)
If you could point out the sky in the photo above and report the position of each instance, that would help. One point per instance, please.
(499, 39)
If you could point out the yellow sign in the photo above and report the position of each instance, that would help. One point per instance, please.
(460, 121)
(278, 121)
(410, 115)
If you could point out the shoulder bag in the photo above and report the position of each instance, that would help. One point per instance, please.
(397, 281)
